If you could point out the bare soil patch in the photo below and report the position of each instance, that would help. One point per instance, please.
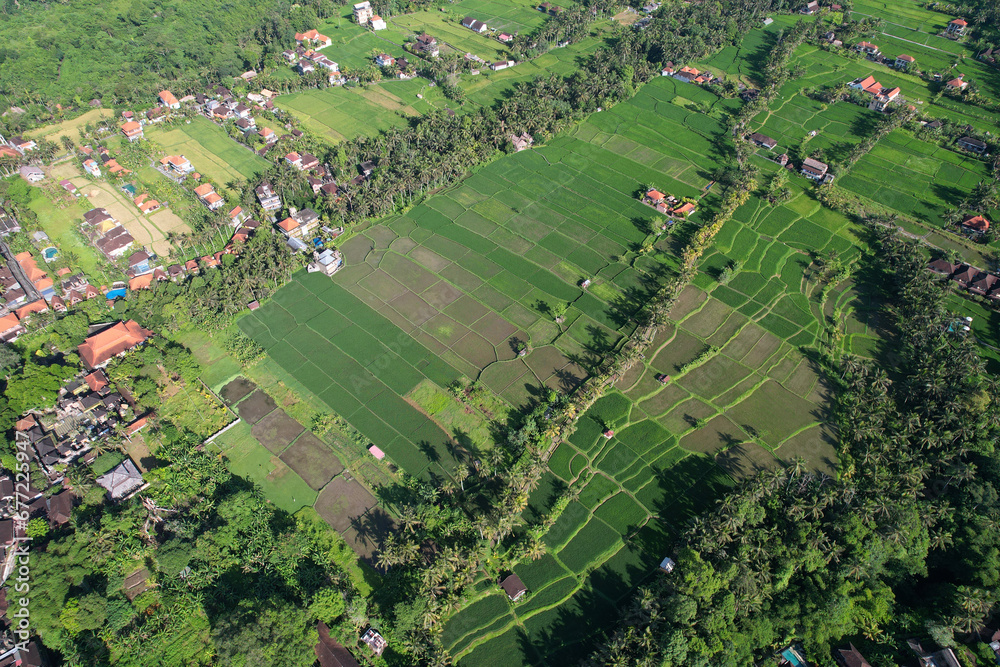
(236, 390)
(342, 502)
(276, 431)
(312, 460)
(253, 408)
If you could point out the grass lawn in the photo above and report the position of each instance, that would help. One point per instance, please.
(61, 222)
(68, 128)
(209, 149)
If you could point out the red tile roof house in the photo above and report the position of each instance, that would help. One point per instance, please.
(684, 210)
(975, 223)
(943, 267)
(10, 328)
(209, 197)
(957, 83)
(867, 48)
(686, 74)
(904, 61)
(957, 26)
(97, 350)
(132, 130)
(168, 100)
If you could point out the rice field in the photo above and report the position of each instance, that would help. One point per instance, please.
(457, 285)
(209, 149)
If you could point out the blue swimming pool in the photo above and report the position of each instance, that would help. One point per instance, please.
(50, 253)
(116, 293)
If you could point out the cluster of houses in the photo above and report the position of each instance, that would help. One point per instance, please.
(881, 96)
(687, 74)
(480, 28)
(969, 278)
(106, 233)
(24, 289)
(365, 15)
(306, 61)
(16, 147)
(96, 159)
(668, 204)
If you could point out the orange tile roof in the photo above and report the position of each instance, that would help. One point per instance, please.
(114, 340)
(25, 423)
(685, 209)
(212, 197)
(34, 307)
(655, 195)
(203, 189)
(236, 211)
(977, 222)
(141, 282)
(141, 198)
(8, 322)
(96, 380)
(130, 127)
(43, 284)
(167, 97)
(959, 22)
(288, 224)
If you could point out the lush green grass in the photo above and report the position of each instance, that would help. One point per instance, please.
(248, 458)
(209, 149)
(61, 223)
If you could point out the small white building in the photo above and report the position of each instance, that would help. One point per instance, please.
(327, 262)
(32, 174)
(378, 23)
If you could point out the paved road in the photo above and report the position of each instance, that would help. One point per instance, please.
(31, 294)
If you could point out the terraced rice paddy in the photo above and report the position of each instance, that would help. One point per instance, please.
(728, 388)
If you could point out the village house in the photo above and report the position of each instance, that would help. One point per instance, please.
(123, 481)
(984, 284)
(904, 62)
(966, 275)
(763, 140)
(97, 350)
(327, 262)
(501, 64)
(427, 45)
(156, 115)
(114, 242)
(867, 48)
(972, 145)
(363, 12)
(312, 37)
(132, 130)
(300, 224)
(209, 197)
(237, 216)
(957, 27)
(91, 167)
(687, 74)
(269, 201)
(375, 641)
(138, 263)
(22, 145)
(378, 23)
(167, 99)
(247, 125)
(810, 8)
(514, 587)
(178, 164)
(814, 169)
(10, 328)
(943, 267)
(31, 173)
(668, 70)
(957, 84)
(684, 210)
(8, 224)
(975, 224)
(522, 141)
(474, 25)
(145, 204)
(268, 135)
(506, 38)
(384, 60)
